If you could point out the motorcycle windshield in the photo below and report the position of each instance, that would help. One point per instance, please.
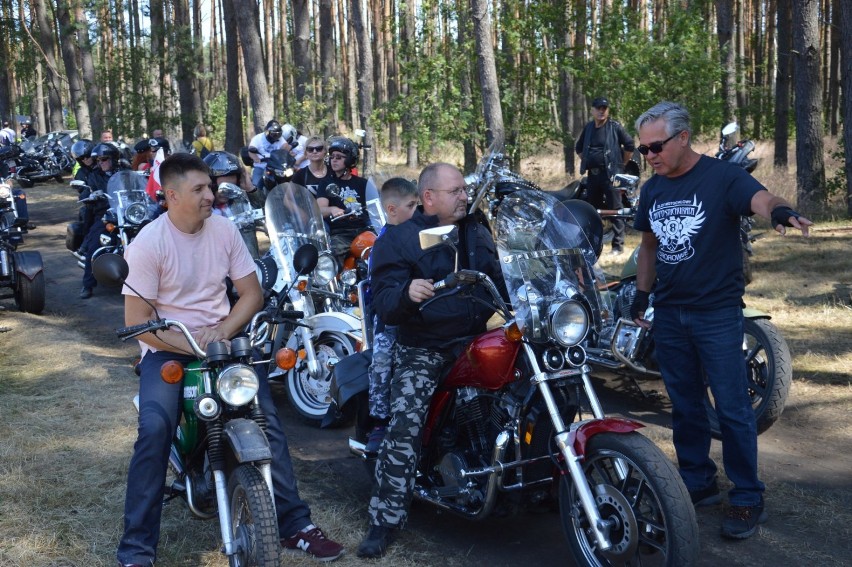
(126, 187)
(374, 206)
(547, 260)
(238, 208)
(292, 219)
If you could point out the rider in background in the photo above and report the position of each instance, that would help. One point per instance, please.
(601, 157)
(201, 145)
(261, 146)
(107, 156)
(317, 170)
(342, 197)
(226, 168)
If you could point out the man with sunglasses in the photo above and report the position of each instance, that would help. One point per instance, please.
(604, 148)
(691, 258)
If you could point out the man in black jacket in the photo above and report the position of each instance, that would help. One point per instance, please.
(402, 279)
(601, 156)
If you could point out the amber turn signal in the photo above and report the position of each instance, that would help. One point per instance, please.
(302, 285)
(285, 358)
(513, 333)
(110, 227)
(171, 372)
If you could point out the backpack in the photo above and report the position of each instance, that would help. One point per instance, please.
(202, 147)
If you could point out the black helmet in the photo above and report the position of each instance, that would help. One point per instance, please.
(157, 143)
(81, 149)
(142, 145)
(222, 164)
(589, 221)
(345, 146)
(105, 149)
(273, 131)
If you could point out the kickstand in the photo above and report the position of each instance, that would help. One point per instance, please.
(651, 395)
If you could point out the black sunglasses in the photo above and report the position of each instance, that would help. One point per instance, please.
(315, 148)
(655, 147)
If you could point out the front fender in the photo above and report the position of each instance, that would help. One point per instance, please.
(336, 322)
(580, 436)
(248, 441)
(28, 264)
(750, 313)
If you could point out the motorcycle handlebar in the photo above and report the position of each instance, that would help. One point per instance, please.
(160, 325)
(626, 212)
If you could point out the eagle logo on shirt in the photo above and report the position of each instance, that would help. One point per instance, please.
(675, 224)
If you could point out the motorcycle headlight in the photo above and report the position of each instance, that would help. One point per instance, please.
(5, 191)
(569, 323)
(325, 271)
(136, 213)
(237, 384)
(349, 277)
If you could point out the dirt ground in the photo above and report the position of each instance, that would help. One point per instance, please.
(805, 459)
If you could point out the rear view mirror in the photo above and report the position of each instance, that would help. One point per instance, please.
(305, 259)
(431, 237)
(110, 269)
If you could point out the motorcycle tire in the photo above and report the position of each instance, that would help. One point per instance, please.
(25, 182)
(654, 520)
(58, 177)
(29, 294)
(311, 396)
(254, 525)
(769, 371)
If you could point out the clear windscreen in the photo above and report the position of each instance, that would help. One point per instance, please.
(126, 187)
(292, 219)
(546, 259)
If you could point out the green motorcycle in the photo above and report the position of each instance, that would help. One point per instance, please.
(627, 349)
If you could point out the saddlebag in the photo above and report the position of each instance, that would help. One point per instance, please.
(350, 380)
(74, 236)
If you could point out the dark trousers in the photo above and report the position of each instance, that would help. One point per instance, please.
(602, 195)
(159, 414)
(91, 242)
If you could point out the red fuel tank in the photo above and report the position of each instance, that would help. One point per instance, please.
(488, 362)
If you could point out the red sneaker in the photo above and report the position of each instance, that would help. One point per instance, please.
(312, 541)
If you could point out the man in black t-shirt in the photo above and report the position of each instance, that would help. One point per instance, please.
(604, 148)
(689, 216)
(342, 197)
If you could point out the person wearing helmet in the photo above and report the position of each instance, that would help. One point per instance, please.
(261, 146)
(144, 158)
(225, 168)
(296, 142)
(107, 157)
(81, 151)
(160, 143)
(342, 197)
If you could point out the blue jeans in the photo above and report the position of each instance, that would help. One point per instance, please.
(159, 414)
(690, 343)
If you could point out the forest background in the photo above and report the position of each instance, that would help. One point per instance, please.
(420, 74)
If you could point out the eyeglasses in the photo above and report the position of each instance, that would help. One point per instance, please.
(315, 148)
(655, 147)
(452, 192)
(104, 159)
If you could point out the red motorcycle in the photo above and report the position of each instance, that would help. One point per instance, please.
(517, 421)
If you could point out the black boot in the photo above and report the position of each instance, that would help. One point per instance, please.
(376, 542)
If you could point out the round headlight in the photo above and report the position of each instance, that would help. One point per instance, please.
(569, 323)
(325, 271)
(349, 277)
(237, 384)
(136, 213)
(5, 191)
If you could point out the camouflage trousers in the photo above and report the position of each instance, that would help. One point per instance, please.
(380, 372)
(413, 381)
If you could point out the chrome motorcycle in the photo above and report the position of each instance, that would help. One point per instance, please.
(21, 272)
(627, 349)
(325, 334)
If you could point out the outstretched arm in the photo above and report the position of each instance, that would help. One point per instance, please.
(779, 212)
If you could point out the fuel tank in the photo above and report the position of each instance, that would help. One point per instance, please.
(488, 362)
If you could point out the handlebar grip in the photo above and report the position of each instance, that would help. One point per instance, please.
(132, 331)
(290, 314)
(448, 282)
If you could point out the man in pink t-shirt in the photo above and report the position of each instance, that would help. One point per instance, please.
(179, 263)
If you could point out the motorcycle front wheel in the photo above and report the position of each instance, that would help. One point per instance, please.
(310, 395)
(254, 526)
(640, 494)
(769, 371)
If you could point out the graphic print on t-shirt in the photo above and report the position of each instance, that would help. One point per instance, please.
(674, 224)
(350, 200)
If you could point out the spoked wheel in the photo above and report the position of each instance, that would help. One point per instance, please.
(310, 394)
(769, 372)
(640, 496)
(254, 526)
